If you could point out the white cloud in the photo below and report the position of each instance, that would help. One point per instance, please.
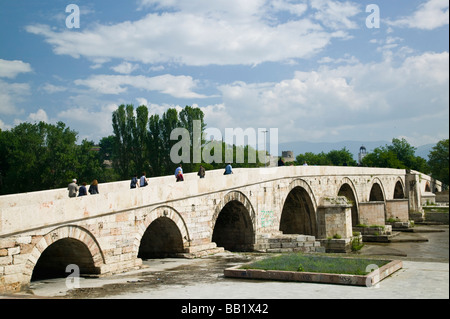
(428, 16)
(202, 33)
(39, 116)
(125, 68)
(96, 123)
(50, 88)
(177, 86)
(345, 98)
(336, 14)
(10, 69)
(346, 59)
(4, 126)
(10, 95)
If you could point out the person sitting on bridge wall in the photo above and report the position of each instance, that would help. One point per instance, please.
(201, 172)
(179, 174)
(93, 188)
(143, 180)
(82, 191)
(73, 188)
(228, 170)
(134, 182)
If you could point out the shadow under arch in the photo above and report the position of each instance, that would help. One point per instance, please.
(348, 190)
(233, 223)
(161, 234)
(399, 189)
(377, 193)
(61, 247)
(298, 215)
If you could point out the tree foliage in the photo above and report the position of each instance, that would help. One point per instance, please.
(400, 154)
(44, 156)
(439, 161)
(341, 157)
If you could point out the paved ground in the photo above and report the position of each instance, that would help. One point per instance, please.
(425, 275)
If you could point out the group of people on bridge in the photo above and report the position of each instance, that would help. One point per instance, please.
(178, 175)
(74, 189)
(136, 182)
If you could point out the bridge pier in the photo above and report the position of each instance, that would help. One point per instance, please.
(334, 217)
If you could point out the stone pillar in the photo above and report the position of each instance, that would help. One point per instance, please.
(413, 194)
(334, 217)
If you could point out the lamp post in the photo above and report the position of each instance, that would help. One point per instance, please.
(265, 151)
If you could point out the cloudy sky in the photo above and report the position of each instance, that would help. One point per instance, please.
(317, 70)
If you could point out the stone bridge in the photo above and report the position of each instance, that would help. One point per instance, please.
(263, 209)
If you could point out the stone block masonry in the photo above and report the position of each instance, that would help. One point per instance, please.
(277, 209)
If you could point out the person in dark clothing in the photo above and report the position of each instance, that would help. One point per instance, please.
(83, 190)
(201, 172)
(93, 188)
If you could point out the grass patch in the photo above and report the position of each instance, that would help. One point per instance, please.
(317, 264)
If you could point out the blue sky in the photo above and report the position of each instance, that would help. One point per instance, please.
(311, 68)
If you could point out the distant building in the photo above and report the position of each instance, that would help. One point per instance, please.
(288, 156)
(362, 154)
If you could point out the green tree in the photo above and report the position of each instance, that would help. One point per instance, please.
(44, 156)
(122, 140)
(404, 151)
(341, 158)
(106, 148)
(381, 157)
(400, 154)
(310, 158)
(155, 144)
(88, 163)
(130, 140)
(439, 161)
(186, 119)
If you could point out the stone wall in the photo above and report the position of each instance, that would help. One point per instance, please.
(397, 209)
(372, 213)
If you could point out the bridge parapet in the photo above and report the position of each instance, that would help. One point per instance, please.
(30, 210)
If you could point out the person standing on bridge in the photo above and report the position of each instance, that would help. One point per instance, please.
(73, 188)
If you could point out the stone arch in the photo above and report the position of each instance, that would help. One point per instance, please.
(377, 193)
(164, 217)
(298, 215)
(347, 189)
(84, 251)
(304, 184)
(234, 196)
(233, 224)
(399, 189)
(427, 187)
